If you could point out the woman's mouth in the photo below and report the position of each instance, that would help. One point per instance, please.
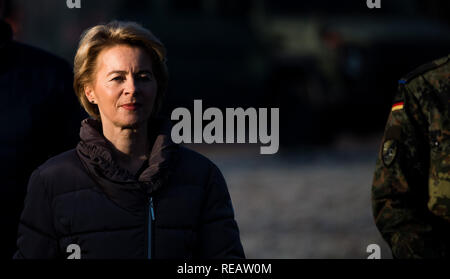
(131, 106)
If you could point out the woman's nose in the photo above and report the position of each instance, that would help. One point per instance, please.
(130, 86)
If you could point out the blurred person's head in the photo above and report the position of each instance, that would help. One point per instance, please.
(10, 14)
(6, 7)
(1, 8)
(120, 74)
(5, 29)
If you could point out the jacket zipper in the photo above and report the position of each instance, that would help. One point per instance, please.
(151, 219)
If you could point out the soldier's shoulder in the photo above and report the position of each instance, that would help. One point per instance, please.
(438, 65)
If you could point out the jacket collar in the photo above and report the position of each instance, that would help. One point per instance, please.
(117, 183)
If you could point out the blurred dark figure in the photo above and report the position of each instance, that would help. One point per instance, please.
(35, 87)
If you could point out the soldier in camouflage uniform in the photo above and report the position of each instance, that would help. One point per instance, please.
(411, 187)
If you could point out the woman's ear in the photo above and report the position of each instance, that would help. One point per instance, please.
(89, 92)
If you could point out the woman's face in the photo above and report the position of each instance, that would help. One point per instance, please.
(124, 86)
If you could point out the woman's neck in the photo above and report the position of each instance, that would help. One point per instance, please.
(131, 145)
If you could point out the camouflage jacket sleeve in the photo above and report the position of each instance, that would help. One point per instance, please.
(400, 190)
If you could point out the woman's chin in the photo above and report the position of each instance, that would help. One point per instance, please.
(132, 122)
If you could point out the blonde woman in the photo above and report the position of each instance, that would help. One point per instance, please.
(126, 190)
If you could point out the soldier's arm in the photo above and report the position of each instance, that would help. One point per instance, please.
(400, 186)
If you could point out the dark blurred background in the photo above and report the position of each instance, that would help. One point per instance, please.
(330, 66)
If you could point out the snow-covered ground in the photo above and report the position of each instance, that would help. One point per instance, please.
(302, 203)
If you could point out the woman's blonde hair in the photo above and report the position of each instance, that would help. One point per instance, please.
(100, 37)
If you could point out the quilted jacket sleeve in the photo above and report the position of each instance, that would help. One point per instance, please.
(36, 234)
(219, 233)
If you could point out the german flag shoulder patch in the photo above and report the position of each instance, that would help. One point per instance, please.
(397, 106)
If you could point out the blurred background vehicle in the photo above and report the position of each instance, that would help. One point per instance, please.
(339, 61)
(330, 66)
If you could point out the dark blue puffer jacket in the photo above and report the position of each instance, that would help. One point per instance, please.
(177, 207)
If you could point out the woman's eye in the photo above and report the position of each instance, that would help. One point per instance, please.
(144, 77)
(118, 78)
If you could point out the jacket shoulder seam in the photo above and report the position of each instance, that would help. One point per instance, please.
(36, 230)
(423, 69)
